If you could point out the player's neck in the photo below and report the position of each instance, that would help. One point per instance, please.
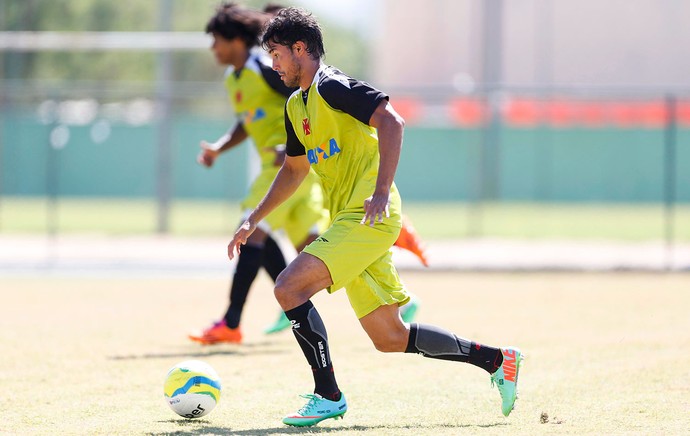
(240, 61)
(308, 72)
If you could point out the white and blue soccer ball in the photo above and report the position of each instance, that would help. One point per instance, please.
(192, 388)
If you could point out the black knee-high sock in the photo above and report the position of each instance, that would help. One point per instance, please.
(248, 265)
(273, 260)
(436, 343)
(310, 332)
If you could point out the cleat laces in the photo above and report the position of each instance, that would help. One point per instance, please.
(495, 381)
(307, 408)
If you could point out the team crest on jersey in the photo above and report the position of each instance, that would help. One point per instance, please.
(238, 96)
(306, 127)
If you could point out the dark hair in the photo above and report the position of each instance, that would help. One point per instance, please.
(291, 25)
(233, 21)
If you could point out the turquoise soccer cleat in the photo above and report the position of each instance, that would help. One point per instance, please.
(506, 378)
(408, 311)
(282, 323)
(316, 410)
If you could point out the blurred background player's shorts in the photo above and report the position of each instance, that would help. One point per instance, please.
(303, 213)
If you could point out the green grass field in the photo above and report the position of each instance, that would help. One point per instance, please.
(606, 354)
(626, 222)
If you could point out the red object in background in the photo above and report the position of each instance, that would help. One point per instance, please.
(620, 114)
(522, 112)
(652, 114)
(592, 114)
(407, 108)
(561, 113)
(467, 112)
(683, 113)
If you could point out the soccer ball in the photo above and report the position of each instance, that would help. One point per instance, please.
(192, 388)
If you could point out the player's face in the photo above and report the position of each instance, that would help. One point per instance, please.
(286, 64)
(223, 49)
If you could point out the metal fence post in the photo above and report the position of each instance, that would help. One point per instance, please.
(164, 106)
(488, 167)
(669, 172)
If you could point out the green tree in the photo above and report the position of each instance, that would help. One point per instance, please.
(345, 48)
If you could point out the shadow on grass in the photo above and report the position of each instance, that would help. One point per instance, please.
(201, 427)
(250, 348)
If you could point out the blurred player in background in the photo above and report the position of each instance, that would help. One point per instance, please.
(258, 96)
(348, 133)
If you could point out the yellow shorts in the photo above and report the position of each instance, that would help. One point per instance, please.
(359, 259)
(303, 213)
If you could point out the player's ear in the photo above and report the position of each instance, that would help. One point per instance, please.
(299, 47)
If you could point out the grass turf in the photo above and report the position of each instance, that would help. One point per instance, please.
(605, 355)
(625, 222)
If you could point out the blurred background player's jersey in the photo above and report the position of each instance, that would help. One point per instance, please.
(258, 97)
(259, 101)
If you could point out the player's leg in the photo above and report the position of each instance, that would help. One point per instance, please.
(274, 264)
(502, 363)
(337, 257)
(375, 296)
(272, 250)
(248, 263)
(303, 224)
(389, 334)
(303, 278)
(273, 260)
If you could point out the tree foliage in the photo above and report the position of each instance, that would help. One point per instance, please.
(345, 48)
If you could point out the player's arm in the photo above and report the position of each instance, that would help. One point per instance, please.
(210, 151)
(290, 175)
(390, 132)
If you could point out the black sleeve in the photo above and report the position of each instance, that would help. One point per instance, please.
(354, 97)
(292, 145)
(273, 79)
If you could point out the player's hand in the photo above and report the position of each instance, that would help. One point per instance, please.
(207, 155)
(375, 207)
(240, 238)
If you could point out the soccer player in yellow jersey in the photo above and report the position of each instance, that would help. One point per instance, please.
(258, 97)
(350, 135)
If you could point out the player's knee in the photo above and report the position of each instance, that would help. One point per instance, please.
(281, 290)
(390, 342)
(287, 293)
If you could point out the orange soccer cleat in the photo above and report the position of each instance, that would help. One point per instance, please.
(217, 333)
(410, 241)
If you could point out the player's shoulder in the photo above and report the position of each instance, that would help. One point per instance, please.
(258, 61)
(296, 94)
(331, 81)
